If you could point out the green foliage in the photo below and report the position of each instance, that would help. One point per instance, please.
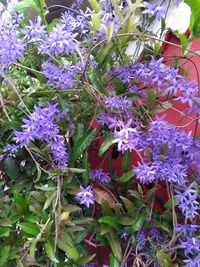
(195, 17)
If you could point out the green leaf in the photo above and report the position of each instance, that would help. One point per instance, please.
(49, 200)
(95, 6)
(114, 262)
(138, 223)
(110, 30)
(164, 259)
(33, 248)
(76, 170)
(151, 99)
(115, 245)
(106, 144)
(4, 255)
(128, 204)
(29, 228)
(171, 203)
(162, 225)
(96, 80)
(112, 221)
(50, 252)
(86, 166)
(126, 177)
(82, 144)
(11, 168)
(71, 252)
(26, 4)
(4, 231)
(195, 17)
(86, 259)
(126, 160)
(183, 39)
(96, 21)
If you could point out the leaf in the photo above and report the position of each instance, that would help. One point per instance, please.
(195, 17)
(112, 221)
(33, 248)
(114, 262)
(4, 255)
(126, 160)
(115, 245)
(162, 225)
(183, 39)
(110, 31)
(171, 203)
(71, 252)
(4, 231)
(95, 6)
(101, 195)
(11, 168)
(49, 200)
(82, 144)
(126, 177)
(50, 252)
(76, 170)
(86, 259)
(164, 259)
(87, 170)
(138, 223)
(26, 4)
(96, 21)
(64, 215)
(128, 204)
(105, 145)
(29, 228)
(151, 99)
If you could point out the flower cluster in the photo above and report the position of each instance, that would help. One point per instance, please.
(61, 78)
(100, 176)
(11, 46)
(42, 125)
(86, 196)
(188, 202)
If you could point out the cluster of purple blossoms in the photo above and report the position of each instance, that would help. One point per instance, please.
(100, 176)
(59, 41)
(34, 32)
(158, 9)
(163, 80)
(86, 196)
(11, 46)
(188, 202)
(142, 238)
(189, 243)
(42, 124)
(118, 102)
(170, 154)
(127, 137)
(61, 78)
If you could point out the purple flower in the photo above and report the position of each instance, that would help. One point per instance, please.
(118, 103)
(193, 262)
(60, 78)
(124, 235)
(191, 246)
(158, 10)
(86, 196)
(60, 41)
(127, 137)
(187, 229)
(188, 203)
(99, 176)
(35, 31)
(11, 46)
(146, 172)
(42, 125)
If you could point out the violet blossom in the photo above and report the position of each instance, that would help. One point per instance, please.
(86, 196)
(100, 176)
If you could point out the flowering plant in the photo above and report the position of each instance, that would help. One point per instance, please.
(85, 143)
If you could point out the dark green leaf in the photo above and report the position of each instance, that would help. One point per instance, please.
(50, 252)
(4, 231)
(11, 168)
(126, 160)
(126, 177)
(29, 228)
(4, 255)
(82, 144)
(112, 221)
(106, 144)
(113, 261)
(115, 245)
